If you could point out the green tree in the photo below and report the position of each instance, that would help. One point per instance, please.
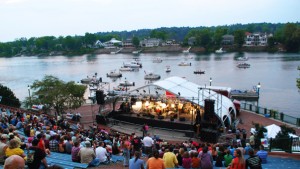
(90, 39)
(159, 34)
(136, 41)
(239, 37)
(219, 34)
(7, 97)
(57, 94)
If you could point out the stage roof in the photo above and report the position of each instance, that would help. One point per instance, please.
(190, 91)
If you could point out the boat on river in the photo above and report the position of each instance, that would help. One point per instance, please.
(199, 72)
(133, 64)
(185, 64)
(126, 83)
(243, 65)
(220, 50)
(114, 74)
(157, 60)
(126, 69)
(244, 58)
(151, 76)
(168, 69)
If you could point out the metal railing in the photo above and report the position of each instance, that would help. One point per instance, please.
(285, 144)
(270, 113)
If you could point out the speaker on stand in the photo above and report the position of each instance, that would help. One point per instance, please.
(100, 97)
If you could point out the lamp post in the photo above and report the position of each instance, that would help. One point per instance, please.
(210, 80)
(258, 88)
(28, 87)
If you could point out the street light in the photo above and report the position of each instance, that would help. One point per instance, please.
(210, 80)
(28, 87)
(258, 87)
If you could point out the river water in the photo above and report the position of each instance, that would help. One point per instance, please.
(276, 73)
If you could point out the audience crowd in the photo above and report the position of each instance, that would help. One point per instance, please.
(32, 137)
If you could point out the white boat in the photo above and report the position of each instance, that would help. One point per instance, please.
(185, 64)
(126, 69)
(243, 65)
(168, 69)
(220, 50)
(244, 58)
(157, 60)
(119, 90)
(152, 76)
(133, 64)
(186, 51)
(114, 74)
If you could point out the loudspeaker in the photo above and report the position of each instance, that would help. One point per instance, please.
(100, 119)
(100, 97)
(209, 107)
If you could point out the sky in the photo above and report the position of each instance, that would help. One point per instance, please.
(37, 18)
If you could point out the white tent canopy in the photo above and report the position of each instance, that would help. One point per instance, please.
(192, 92)
(273, 130)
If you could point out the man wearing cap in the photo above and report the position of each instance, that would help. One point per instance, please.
(88, 155)
(3, 147)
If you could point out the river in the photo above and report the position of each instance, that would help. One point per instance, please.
(276, 72)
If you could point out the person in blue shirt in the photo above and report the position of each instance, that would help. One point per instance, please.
(136, 162)
(262, 154)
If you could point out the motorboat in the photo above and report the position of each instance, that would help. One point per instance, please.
(244, 58)
(168, 69)
(187, 51)
(126, 69)
(243, 65)
(185, 64)
(157, 60)
(119, 90)
(199, 72)
(114, 74)
(220, 50)
(152, 76)
(126, 83)
(133, 64)
(86, 80)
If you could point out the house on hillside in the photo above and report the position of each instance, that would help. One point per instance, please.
(192, 41)
(128, 43)
(170, 42)
(112, 43)
(256, 39)
(150, 42)
(227, 40)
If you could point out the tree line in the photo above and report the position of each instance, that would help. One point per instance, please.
(284, 34)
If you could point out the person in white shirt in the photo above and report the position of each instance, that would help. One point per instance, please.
(148, 143)
(101, 153)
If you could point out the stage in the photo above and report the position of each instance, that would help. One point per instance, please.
(158, 121)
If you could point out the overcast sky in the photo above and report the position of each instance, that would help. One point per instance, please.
(36, 18)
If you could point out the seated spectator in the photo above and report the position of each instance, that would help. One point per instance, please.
(253, 161)
(53, 144)
(262, 154)
(74, 152)
(227, 158)
(13, 149)
(14, 162)
(115, 149)
(101, 153)
(136, 162)
(88, 156)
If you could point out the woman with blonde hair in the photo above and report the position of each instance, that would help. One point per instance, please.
(238, 162)
(14, 149)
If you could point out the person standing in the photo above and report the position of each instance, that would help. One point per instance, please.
(253, 162)
(252, 140)
(148, 143)
(136, 162)
(36, 157)
(155, 162)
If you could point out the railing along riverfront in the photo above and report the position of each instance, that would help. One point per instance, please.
(270, 113)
